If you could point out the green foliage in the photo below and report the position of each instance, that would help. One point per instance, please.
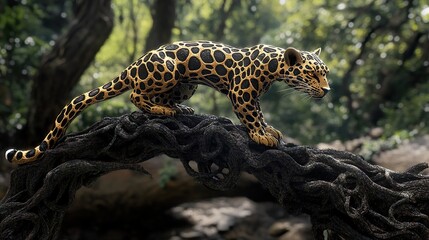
(25, 35)
(17, 62)
(411, 112)
(167, 172)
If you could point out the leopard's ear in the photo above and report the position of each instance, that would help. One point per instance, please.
(292, 56)
(317, 51)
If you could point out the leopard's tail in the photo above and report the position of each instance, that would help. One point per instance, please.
(111, 89)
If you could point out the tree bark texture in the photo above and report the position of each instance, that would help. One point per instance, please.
(345, 196)
(163, 16)
(63, 66)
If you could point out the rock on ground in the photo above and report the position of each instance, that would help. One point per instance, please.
(236, 218)
(405, 155)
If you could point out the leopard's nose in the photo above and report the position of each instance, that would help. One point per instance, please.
(325, 91)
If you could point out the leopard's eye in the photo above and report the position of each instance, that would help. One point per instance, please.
(311, 74)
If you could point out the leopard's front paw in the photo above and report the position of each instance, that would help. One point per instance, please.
(276, 133)
(266, 139)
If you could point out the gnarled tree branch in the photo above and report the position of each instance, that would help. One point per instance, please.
(345, 196)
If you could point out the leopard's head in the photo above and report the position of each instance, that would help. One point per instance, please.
(306, 72)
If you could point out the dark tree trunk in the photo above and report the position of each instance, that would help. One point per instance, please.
(63, 66)
(134, 31)
(222, 15)
(163, 16)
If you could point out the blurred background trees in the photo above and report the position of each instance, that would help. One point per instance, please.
(378, 53)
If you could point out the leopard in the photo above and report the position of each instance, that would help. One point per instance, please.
(162, 79)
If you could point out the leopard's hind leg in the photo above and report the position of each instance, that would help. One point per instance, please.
(182, 92)
(146, 104)
(156, 80)
(166, 103)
